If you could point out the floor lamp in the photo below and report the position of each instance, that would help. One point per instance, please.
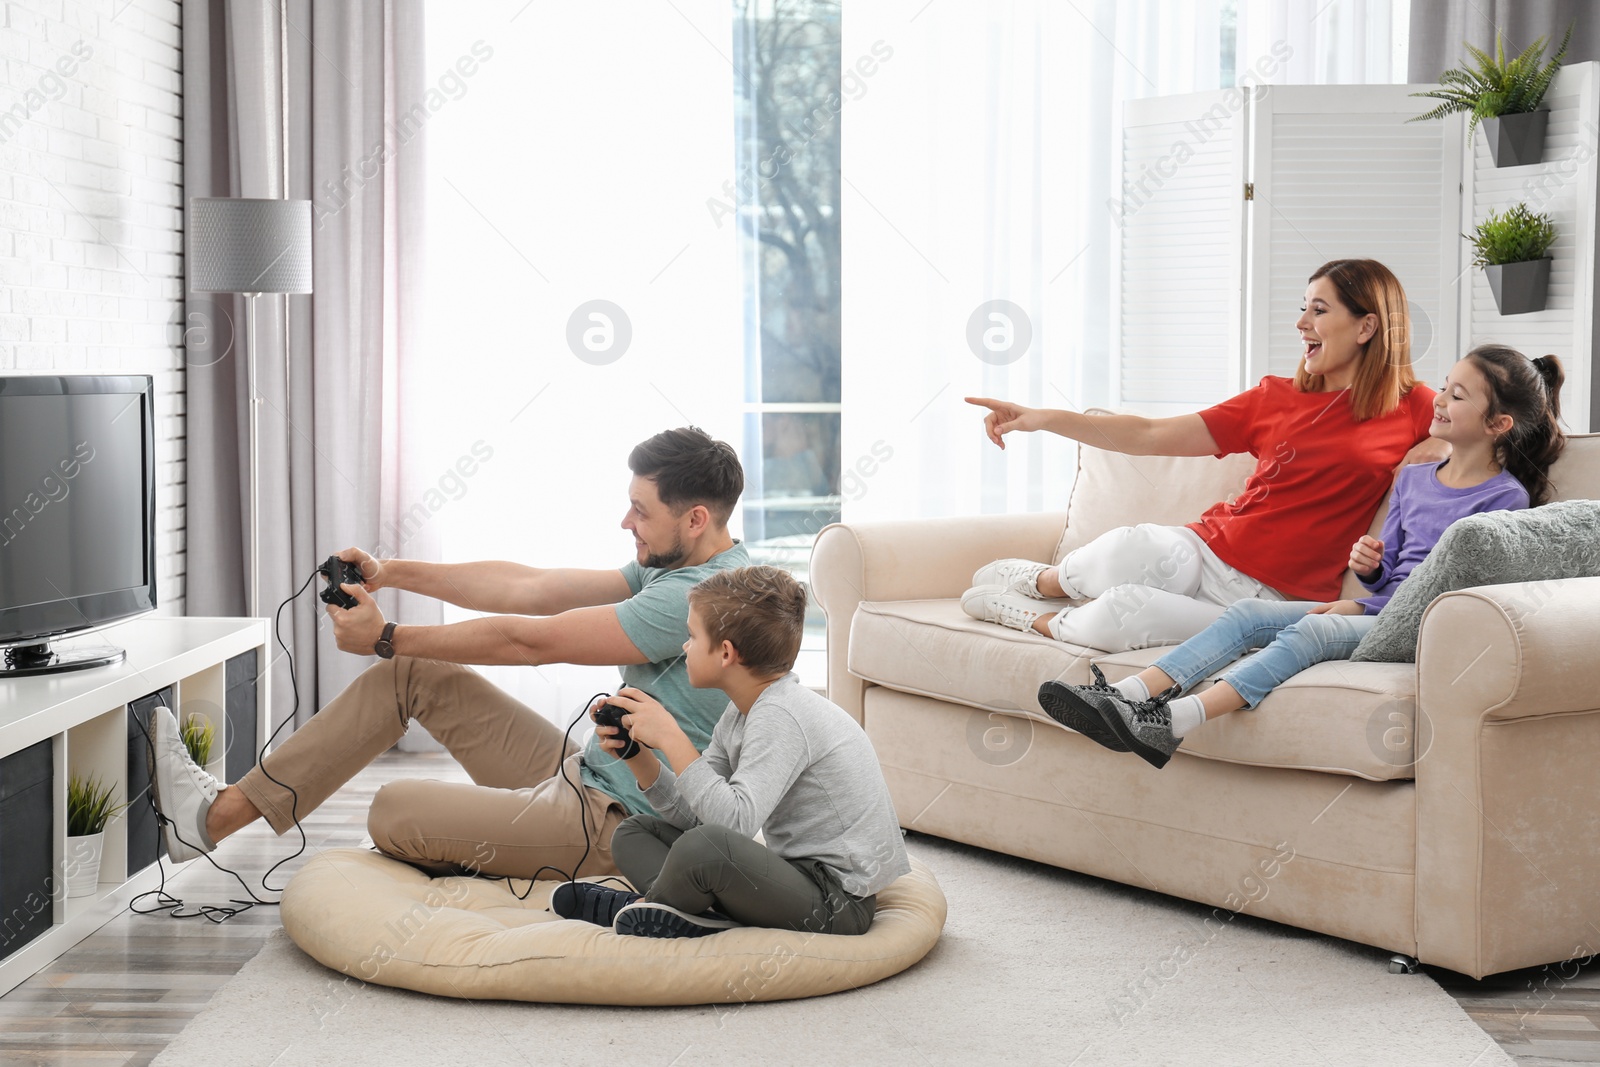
(251, 247)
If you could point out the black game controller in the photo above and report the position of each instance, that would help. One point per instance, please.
(611, 715)
(339, 572)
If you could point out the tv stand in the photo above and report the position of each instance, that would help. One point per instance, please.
(89, 722)
(24, 661)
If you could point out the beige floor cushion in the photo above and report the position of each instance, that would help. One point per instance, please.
(382, 921)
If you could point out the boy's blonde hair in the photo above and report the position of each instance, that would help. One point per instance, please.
(761, 610)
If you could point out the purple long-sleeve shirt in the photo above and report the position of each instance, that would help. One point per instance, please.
(1420, 510)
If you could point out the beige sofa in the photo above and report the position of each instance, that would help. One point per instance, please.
(1471, 841)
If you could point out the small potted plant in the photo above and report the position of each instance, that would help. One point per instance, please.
(1511, 248)
(90, 805)
(1504, 96)
(198, 735)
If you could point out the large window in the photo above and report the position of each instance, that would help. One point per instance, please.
(786, 189)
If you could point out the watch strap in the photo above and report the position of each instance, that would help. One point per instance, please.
(384, 646)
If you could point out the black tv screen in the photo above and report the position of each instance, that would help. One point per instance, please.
(77, 503)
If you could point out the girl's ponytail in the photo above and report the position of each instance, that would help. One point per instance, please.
(1530, 392)
(1550, 369)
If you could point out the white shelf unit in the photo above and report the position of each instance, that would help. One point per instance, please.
(84, 716)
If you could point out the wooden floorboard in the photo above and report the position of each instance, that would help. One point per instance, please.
(121, 994)
(117, 997)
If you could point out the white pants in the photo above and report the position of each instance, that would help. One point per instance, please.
(1150, 585)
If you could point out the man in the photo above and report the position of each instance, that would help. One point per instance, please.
(537, 803)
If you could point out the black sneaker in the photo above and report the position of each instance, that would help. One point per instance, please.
(649, 919)
(1057, 700)
(1145, 726)
(590, 901)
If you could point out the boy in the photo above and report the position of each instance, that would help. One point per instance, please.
(782, 760)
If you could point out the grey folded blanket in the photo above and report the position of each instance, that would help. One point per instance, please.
(1560, 540)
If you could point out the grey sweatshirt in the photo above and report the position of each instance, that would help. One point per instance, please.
(800, 770)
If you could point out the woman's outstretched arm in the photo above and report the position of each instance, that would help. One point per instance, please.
(1135, 435)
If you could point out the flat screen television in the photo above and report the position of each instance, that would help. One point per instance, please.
(77, 514)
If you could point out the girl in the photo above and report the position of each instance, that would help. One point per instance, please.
(1326, 442)
(1498, 413)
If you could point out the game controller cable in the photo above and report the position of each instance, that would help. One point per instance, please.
(335, 570)
(631, 747)
(219, 913)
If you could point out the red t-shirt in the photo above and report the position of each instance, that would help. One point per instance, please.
(1320, 476)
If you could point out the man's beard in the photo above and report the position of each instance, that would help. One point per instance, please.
(662, 560)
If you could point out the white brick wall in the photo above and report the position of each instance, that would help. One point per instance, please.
(91, 221)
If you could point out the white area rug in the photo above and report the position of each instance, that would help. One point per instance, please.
(1037, 965)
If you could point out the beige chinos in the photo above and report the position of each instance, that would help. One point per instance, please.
(518, 817)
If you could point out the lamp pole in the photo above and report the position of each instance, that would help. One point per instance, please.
(255, 455)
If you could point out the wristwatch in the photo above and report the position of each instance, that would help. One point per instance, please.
(385, 644)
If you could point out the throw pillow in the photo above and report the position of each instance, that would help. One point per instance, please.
(1560, 540)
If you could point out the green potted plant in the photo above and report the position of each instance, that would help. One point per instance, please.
(1504, 96)
(90, 805)
(1511, 248)
(198, 735)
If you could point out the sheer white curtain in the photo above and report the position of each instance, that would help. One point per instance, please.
(1328, 42)
(977, 168)
(978, 164)
(572, 165)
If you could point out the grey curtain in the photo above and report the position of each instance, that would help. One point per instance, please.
(1439, 27)
(337, 464)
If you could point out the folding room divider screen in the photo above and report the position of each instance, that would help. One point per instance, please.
(1229, 200)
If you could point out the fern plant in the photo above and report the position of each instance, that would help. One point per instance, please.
(198, 735)
(1513, 236)
(1492, 87)
(89, 806)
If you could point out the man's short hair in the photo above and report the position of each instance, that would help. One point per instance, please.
(691, 467)
(761, 610)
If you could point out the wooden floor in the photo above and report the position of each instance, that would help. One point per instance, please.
(124, 992)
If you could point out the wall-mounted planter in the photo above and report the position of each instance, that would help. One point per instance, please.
(1519, 287)
(1516, 140)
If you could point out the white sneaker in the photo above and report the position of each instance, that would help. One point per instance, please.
(996, 603)
(1016, 575)
(183, 792)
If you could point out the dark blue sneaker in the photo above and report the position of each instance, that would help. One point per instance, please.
(1058, 702)
(649, 919)
(590, 901)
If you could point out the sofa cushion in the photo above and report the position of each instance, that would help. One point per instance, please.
(933, 648)
(1113, 490)
(1576, 475)
(1491, 548)
(1337, 716)
(1340, 717)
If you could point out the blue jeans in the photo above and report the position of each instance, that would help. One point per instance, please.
(1290, 641)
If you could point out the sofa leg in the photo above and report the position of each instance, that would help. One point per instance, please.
(1400, 963)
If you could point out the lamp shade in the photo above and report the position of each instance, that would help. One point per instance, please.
(239, 245)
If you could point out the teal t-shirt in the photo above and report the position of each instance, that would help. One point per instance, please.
(656, 620)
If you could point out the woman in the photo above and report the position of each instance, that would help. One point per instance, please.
(1326, 443)
(1500, 413)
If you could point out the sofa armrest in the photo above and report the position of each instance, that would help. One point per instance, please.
(1508, 798)
(921, 559)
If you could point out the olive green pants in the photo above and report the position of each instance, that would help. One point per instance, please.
(713, 867)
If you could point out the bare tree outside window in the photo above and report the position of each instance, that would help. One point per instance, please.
(786, 189)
